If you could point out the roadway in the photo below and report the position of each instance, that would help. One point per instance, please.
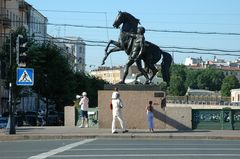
(120, 148)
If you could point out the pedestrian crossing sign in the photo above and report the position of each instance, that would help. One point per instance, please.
(25, 77)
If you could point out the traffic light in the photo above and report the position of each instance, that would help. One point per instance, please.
(21, 48)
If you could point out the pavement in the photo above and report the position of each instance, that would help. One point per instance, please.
(63, 132)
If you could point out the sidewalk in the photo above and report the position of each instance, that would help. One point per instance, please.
(37, 133)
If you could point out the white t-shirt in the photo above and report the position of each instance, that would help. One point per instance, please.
(84, 103)
(114, 94)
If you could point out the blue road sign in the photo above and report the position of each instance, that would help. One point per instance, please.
(25, 77)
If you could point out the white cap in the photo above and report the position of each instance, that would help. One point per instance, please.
(84, 93)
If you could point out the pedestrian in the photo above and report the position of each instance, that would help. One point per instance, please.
(149, 110)
(117, 106)
(84, 110)
(115, 92)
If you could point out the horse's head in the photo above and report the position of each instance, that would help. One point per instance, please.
(119, 20)
(128, 21)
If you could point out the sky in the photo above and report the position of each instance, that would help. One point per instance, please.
(165, 16)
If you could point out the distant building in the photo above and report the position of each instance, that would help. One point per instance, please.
(37, 24)
(76, 47)
(115, 74)
(228, 68)
(189, 61)
(24, 15)
(232, 71)
(200, 92)
(235, 95)
(110, 74)
(15, 14)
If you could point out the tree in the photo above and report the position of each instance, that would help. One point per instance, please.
(89, 84)
(177, 80)
(210, 79)
(8, 61)
(192, 75)
(177, 87)
(54, 80)
(229, 82)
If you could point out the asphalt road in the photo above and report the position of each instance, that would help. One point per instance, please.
(120, 149)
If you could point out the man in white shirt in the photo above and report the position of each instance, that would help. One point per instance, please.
(84, 109)
(117, 105)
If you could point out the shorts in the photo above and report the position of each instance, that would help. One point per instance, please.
(84, 114)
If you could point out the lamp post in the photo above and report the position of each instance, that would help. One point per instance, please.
(12, 129)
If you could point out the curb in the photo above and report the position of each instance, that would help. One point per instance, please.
(111, 136)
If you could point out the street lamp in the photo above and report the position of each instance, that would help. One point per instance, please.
(11, 122)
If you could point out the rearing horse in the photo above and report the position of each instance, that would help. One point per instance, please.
(151, 55)
(129, 25)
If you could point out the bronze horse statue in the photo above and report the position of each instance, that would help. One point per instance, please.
(151, 55)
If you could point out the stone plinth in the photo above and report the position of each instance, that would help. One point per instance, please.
(69, 116)
(135, 99)
(179, 118)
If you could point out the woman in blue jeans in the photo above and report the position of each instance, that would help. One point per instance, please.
(150, 116)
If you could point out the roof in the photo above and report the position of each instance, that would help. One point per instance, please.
(235, 90)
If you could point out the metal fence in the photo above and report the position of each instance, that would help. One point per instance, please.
(207, 100)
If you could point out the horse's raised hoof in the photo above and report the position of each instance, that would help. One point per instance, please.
(103, 62)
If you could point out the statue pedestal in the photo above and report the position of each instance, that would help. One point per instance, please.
(69, 116)
(135, 99)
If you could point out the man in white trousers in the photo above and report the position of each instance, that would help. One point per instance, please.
(117, 105)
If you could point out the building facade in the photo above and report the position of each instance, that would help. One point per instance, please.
(228, 68)
(77, 48)
(112, 75)
(37, 24)
(235, 95)
(14, 14)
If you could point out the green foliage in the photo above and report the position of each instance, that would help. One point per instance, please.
(177, 87)
(177, 80)
(89, 84)
(8, 61)
(163, 86)
(53, 77)
(229, 82)
(191, 78)
(210, 79)
(9, 73)
(182, 78)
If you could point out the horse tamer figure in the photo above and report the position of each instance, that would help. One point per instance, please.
(150, 55)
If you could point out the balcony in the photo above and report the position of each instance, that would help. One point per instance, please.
(5, 21)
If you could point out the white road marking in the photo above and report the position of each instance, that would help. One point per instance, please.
(60, 149)
(157, 149)
(151, 155)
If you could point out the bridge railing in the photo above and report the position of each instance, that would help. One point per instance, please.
(205, 100)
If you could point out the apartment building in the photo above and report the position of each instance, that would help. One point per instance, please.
(76, 47)
(14, 14)
(228, 68)
(114, 75)
(37, 24)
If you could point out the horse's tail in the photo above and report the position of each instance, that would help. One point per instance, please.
(165, 66)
